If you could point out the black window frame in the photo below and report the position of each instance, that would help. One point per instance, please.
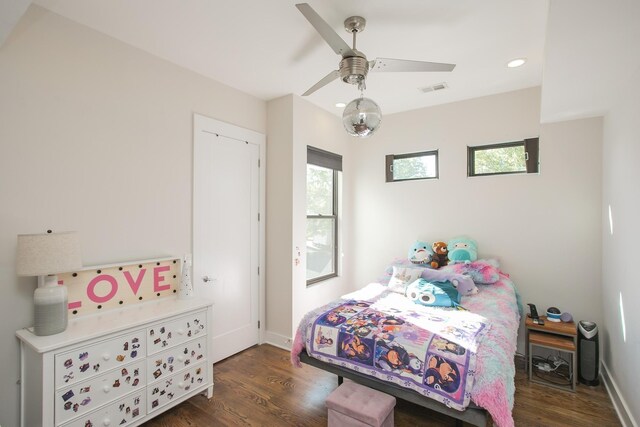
(389, 158)
(327, 160)
(531, 151)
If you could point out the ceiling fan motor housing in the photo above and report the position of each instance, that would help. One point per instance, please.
(354, 69)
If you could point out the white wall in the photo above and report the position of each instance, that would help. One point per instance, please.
(279, 218)
(574, 84)
(544, 229)
(621, 175)
(10, 14)
(318, 128)
(294, 123)
(96, 136)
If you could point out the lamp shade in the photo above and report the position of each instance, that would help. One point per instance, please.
(51, 253)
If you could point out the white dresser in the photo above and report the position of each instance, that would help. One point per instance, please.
(119, 367)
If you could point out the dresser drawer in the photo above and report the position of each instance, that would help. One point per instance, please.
(119, 413)
(171, 388)
(86, 362)
(168, 362)
(174, 332)
(88, 395)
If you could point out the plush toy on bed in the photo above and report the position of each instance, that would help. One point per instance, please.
(462, 282)
(433, 294)
(462, 249)
(466, 286)
(420, 253)
(482, 271)
(439, 254)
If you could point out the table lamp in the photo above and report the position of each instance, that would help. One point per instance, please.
(45, 255)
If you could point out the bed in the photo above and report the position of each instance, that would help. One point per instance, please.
(455, 360)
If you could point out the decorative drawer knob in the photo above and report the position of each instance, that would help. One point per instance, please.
(180, 358)
(181, 385)
(106, 357)
(106, 389)
(106, 422)
(180, 331)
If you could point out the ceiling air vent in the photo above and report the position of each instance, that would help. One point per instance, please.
(435, 87)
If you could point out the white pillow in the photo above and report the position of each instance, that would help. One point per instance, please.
(402, 276)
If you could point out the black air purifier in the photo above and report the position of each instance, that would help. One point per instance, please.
(588, 349)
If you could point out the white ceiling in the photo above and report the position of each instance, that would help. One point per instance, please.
(268, 49)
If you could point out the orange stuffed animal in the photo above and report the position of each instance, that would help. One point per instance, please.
(440, 252)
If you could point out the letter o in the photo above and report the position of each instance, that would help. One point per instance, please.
(91, 288)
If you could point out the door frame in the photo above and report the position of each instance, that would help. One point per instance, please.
(212, 126)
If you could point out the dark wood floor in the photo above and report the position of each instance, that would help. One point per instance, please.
(259, 387)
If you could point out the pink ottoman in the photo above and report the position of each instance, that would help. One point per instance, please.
(354, 405)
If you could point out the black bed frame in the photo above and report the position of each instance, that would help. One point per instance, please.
(474, 414)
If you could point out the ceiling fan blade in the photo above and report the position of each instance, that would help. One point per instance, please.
(336, 42)
(325, 81)
(389, 64)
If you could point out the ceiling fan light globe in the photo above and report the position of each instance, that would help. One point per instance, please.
(361, 117)
(353, 79)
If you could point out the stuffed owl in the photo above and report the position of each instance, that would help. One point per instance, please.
(462, 249)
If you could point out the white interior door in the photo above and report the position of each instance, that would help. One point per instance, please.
(226, 249)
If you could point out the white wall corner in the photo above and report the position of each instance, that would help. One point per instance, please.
(10, 14)
(619, 403)
(278, 340)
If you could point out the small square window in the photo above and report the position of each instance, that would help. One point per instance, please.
(503, 159)
(412, 166)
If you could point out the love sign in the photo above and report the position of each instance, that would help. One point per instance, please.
(101, 288)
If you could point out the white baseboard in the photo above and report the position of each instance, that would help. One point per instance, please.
(277, 340)
(620, 405)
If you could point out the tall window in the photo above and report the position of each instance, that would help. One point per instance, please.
(323, 169)
(505, 158)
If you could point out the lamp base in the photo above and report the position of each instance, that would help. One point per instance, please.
(50, 308)
(186, 285)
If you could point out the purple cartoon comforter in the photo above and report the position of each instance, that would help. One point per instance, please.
(385, 335)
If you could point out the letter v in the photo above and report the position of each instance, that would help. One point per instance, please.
(135, 285)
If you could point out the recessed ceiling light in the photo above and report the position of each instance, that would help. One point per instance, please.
(516, 62)
(340, 104)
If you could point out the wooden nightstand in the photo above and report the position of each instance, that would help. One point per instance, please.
(559, 336)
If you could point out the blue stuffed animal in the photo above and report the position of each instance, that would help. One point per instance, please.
(462, 250)
(420, 253)
(433, 294)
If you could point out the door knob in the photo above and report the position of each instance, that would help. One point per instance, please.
(206, 279)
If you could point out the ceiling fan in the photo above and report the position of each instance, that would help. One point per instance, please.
(354, 66)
